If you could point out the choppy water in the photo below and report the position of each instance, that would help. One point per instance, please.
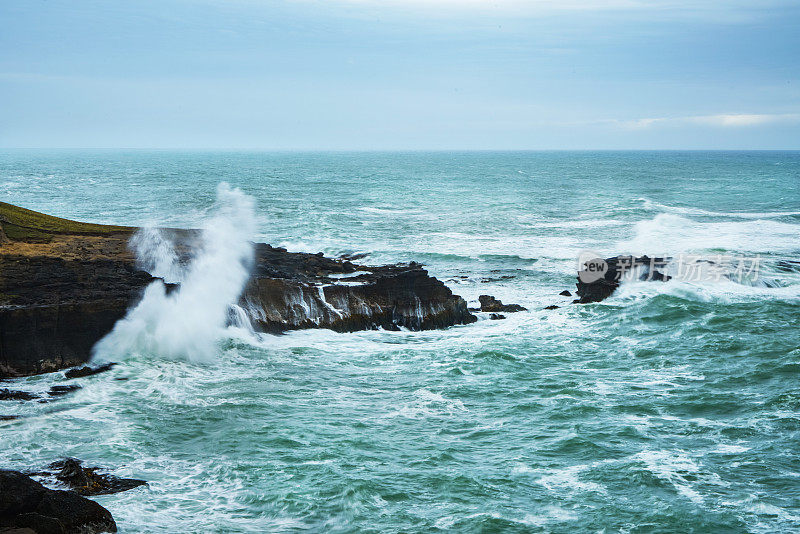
(669, 407)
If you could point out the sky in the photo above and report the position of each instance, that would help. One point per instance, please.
(400, 74)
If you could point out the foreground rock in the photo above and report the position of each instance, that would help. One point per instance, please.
(65, 284)
(25, 503)
(601, 277)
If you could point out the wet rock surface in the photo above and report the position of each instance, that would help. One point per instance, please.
(58, 391)
(10, 394)
(491, 304)
(27, 504)
(87, 481)
(80, 372)
(64, 285)
(598, 284)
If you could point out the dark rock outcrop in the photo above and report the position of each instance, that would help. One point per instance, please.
(58, 391)
(80, 372)
(294, 290)
(25, 503)
(88, 481)
(53, 310)
(491, 304)
(11, 394)
(565, 293)
(600, 277)
(64, 284)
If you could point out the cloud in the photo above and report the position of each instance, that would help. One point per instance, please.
(722, 120)
(716, 7)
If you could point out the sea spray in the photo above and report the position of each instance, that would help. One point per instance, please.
(155, 253)
(187, 322)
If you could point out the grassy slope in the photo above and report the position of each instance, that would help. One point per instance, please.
(20, 224)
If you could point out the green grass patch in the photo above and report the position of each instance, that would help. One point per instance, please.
(20, 224)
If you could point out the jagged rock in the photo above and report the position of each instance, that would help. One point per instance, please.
(65, 284)
(10, 394)
(25, 503)
(600, 277)
(87, 481)
(491, 304)
(565, 293)
(80, 372)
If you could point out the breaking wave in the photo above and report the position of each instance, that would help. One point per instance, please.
(188, 321)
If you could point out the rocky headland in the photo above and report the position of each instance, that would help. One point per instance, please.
(64, 284)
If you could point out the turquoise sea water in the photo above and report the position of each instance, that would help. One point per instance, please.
(668, 408)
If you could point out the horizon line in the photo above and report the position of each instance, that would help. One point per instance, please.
(384, 150)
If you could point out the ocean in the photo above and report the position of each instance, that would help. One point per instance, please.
(669, 407)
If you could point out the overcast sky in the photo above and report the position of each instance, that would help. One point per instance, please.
(400, 74)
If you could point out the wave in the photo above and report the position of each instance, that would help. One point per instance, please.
(724, 291)
(187, 322)
(669, 234)
(655, 206)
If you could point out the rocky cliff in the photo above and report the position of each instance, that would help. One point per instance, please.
(64, 284)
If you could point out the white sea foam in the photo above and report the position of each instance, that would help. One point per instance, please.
(726, 291)
(649, 204)
(675, 468)
(188, 322)
(672, 234)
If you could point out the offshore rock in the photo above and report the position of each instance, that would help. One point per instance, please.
(11, 394)
(491, 304)
(65, 284)
(599, 282)
(80, 372)
(26, 504)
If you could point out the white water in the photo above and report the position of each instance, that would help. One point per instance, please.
(188, 322)
(668, 234)
(155, 253)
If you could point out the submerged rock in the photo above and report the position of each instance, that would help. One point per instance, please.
(491, 304)
(565, 293)
(25, 503)
(65, 285)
